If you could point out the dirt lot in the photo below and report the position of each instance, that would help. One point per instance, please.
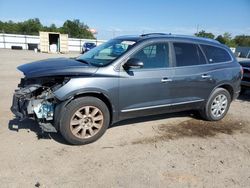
(175, 150)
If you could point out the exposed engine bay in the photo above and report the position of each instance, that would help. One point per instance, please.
(35, 99)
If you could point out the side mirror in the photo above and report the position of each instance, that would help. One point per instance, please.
(133, 63)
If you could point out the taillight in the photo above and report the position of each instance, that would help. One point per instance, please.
(241, 71)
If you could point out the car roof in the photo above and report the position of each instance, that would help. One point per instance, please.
(151, 36)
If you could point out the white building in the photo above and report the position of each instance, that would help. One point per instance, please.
(43, 42)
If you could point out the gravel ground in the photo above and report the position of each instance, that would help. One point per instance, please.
(170, 150)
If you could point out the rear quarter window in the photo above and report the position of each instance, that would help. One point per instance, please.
(216, 54)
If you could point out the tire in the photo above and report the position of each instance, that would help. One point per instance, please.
(218, 103)
(84, 120)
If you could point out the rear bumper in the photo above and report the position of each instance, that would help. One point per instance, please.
(245, 84)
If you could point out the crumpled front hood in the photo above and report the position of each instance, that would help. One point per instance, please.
(56, 67)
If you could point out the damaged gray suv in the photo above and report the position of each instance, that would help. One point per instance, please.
(128, 77)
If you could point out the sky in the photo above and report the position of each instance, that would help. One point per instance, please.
(125, 17)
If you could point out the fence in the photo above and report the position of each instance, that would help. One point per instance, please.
(24, 41)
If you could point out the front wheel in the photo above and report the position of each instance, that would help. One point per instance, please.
(84, 120)
(217, 105)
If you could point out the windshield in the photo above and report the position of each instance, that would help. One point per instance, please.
(107, 52)
(89, 45)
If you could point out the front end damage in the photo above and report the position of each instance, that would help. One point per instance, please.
(35, 99)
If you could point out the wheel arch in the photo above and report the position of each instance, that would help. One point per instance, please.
(227, 87)
(59, 110)
(104, 98)
(205, 111)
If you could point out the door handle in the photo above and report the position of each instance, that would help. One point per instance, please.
(206, 76)
(164, 80)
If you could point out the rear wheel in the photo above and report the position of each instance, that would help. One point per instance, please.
(217, 105)
(84, 120)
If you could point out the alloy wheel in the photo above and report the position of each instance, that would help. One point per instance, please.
(86, 122)
(219, 105)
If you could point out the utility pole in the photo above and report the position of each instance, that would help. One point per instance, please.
(4, 45)
(197, 28)
(26, 44)
(96, 38)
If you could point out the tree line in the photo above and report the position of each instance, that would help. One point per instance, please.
(74, 28)
(227, 39)
(77, 29)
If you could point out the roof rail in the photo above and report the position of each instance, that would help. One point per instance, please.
(208, 39)
(201, 38)
(184, 36)
(148, 34)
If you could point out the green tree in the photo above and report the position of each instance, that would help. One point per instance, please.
(9, 27)
(76, 29)
(226, 39)
(229, 40)
(205, 34)
(221, 39)
(242, 40)
(51, 28)
(31, 26)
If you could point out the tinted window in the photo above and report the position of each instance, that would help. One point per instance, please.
(89, 45)
(215, 54)
(188, 54)
(107, 52)
(154, 55)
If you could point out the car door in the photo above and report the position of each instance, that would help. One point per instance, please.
(192, 80)
(145, 90)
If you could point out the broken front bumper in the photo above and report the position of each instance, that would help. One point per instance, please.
(20, 105)
(25, 106)
(21, 101)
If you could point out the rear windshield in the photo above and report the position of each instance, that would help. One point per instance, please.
(216, 54)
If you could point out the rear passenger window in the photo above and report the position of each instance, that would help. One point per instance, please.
(187, 54)
(215, 54)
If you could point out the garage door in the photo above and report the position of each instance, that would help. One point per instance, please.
(63, 43)
(44, 41)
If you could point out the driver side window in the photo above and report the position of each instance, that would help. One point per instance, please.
(154, 56)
